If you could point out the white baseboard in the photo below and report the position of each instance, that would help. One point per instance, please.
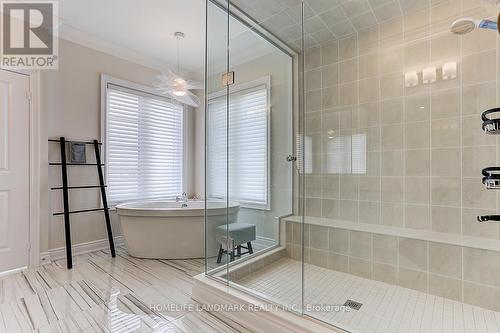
(77, 249)
(12, 271)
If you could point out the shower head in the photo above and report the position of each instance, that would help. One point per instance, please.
(465, 25)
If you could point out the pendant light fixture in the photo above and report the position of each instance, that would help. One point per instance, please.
(173, 84)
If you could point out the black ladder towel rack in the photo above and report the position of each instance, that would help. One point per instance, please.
(65, 189)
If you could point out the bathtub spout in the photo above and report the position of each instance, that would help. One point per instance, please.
(182, 198)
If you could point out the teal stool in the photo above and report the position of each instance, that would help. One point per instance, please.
(239, 233)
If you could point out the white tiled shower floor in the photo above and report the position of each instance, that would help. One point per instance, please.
(386, 308)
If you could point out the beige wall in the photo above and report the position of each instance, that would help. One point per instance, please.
(70, 96)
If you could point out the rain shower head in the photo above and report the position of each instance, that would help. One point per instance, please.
(465, 25)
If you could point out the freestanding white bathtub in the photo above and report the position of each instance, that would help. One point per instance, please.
(167, 230)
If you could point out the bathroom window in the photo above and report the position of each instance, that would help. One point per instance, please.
(144, 143)
(248, 137)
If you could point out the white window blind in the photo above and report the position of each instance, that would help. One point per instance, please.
(144, 145)
(243, 151)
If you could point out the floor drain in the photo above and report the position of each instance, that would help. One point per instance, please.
(353, 304)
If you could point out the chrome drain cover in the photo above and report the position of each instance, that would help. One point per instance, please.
(353, 304)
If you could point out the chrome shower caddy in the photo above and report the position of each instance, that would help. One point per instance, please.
(491, 175)
(491, 124)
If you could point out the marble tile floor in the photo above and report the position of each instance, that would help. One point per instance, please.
(386, 308)
(102, 294)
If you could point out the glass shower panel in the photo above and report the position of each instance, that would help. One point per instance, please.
(328, 138)
(263, 109)
(253, 110)
(219, 212)
(384, 113)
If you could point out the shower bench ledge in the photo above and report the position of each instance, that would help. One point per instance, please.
(426, 235)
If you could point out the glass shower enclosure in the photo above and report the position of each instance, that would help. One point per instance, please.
(344, 142)
(250, 119)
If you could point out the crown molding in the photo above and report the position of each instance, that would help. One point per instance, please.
(74, 35)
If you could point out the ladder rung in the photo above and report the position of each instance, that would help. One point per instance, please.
(82, 164)
(79, 187)
(65, 187)
(67, 141)
(82, 211)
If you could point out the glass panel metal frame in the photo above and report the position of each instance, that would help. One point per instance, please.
(222, 273)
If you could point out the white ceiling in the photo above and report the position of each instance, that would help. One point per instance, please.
(141, 31)
(328, 20)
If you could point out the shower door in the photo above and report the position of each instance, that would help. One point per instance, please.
(217, 206)
(252, 112)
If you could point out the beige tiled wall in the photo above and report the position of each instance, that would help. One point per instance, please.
(424, 152)
(463, 274)
(425, 148)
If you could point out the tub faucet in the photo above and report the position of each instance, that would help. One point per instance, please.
(183, 197)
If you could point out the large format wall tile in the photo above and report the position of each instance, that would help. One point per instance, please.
(413, 254)
(440, 269)
(385, 249)
(413, 279)
(424, 147)
(400, 156)
(481, 295)
(445, 287)
(445, 260)
(482, 266)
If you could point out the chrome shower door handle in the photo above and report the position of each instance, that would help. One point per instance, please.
(291, 158)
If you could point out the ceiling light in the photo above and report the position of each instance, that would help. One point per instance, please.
(171, 83)
(179, 93)
(449, 70)
(411, 79)
(429, 75)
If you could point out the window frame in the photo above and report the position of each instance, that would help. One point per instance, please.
(236, 88)
(108, 79)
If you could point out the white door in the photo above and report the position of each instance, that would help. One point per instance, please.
(14, 170)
